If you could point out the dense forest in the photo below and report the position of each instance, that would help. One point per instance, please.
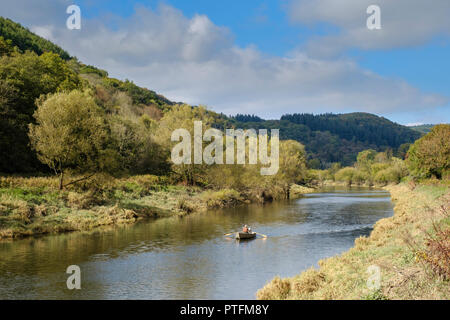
(32, 67)
(23, 39)
(332, 138)
(359, 126)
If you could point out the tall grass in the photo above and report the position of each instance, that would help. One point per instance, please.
(418, 271)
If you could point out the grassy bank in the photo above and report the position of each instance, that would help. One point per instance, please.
(36, 206)
(411, 249)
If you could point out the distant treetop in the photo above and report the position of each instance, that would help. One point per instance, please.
(24, 39)
(246, 118)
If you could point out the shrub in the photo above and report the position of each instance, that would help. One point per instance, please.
(24, 211)
(82, 200)
(185, 205)
(430, 155)
(359, 177)
(377, 167)
(437, 251)
(345, 175)
(376, 295)
(387, 175)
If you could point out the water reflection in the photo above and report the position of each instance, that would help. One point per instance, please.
(189, 258)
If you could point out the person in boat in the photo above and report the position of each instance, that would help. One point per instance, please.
(246, 229)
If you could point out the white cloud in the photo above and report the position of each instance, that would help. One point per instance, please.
(195, 61)
(404, 23)
(44, 31)
(31, 12)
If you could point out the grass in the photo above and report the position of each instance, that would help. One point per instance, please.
(35, 206)
(222, 198)
(404, 272)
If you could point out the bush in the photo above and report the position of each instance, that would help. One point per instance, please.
(389, 175)
(377, 167)
(437, 251)
(376, 295)
(345, 175)
(185, 205)
(82, 200)
(359, 177)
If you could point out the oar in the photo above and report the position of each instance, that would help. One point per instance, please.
(261, 234)
(229, 234)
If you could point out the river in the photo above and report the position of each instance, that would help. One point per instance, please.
(189, 258)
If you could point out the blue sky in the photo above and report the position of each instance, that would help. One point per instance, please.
(262, 23)
(269, 57)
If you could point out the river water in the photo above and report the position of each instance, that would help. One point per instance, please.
(189, 258)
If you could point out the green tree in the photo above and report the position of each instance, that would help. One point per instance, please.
(71, 134)
(26, 40)
(23, 78)
(365, 159)
(6, 47)
(346, 174)
(403, 150)
(183, 116)
(314, 164)
(430, 155)
(292, 162)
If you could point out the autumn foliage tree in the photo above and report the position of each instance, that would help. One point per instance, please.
(184, 116)
(430, 155)
(71, 134)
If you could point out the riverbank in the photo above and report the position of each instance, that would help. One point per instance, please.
(35, 206)
(410, 248)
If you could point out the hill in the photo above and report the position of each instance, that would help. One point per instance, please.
(31, 67)
(337, 137)
(423, 128)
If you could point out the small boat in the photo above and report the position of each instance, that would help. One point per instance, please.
(245, 235)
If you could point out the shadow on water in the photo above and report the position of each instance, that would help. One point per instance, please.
(189, 258)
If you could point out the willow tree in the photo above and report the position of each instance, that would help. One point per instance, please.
(71, 134)
(183, 117)
(292, 162)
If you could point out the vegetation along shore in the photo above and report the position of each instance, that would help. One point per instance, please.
(410, 248)
(35, 206)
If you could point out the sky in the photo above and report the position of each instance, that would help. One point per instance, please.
(267, 58)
